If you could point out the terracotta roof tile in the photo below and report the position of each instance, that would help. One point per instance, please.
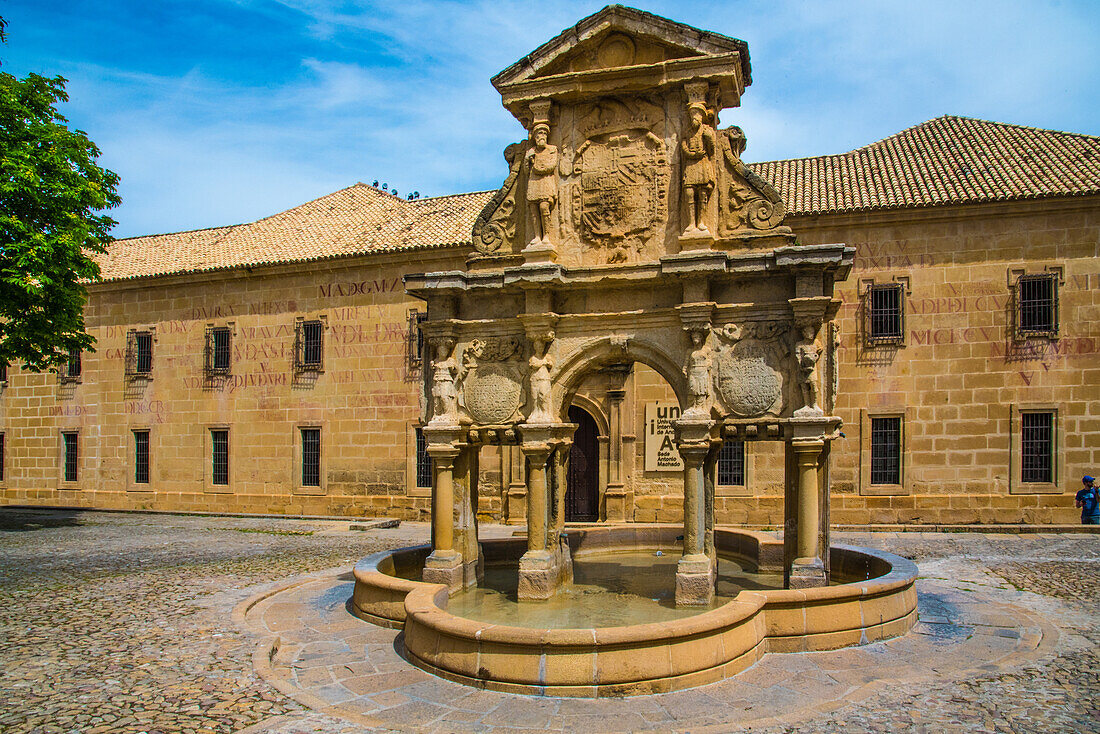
(353, 221)
(948, 160)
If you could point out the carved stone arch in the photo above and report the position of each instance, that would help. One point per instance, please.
(594, 409)
(610, 350)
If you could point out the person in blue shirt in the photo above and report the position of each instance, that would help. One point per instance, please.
(1088, 499)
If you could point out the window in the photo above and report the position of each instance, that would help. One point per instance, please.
(219, 441)
(309, 345)
(414, 343)
(1037, 305)
(139, 353)
(218, 355)
(886, 450)
(731, 464)
(141, 457)
(71, 456)
(71, 371)
(1, 457)
(423, 461)
(885, 314)
(311, 457)
(1037, 447)
(3, 373)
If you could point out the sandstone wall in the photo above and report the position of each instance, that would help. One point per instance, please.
(959, 382)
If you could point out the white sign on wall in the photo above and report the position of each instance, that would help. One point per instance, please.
(660, 438)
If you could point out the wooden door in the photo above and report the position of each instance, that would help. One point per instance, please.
(582, 494)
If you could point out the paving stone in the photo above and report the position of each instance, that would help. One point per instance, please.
(121, 623)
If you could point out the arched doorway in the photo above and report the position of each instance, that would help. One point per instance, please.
(582, 494)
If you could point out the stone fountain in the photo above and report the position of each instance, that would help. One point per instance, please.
(629, 230)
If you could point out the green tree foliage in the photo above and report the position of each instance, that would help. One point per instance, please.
(51, 191)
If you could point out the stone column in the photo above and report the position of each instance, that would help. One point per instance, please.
(538, 572)
(695, 572)
(560, 461)
(615, 495)
(444, 565)
(807, 569)
(557, 527)
(710, 470)
(515, 489)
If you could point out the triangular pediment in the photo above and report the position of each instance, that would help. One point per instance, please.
(619, 36)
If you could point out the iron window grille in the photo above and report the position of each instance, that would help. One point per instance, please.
(423, 461)
(141, 457)
(884, 314)
(218, 356)
(72, 456)
(71, 371)
(139, 353)
(886, 450)
(414, 342)
(309, 345)
(219, 442)
(1037, 447)
(311, 457)
(731, 464)
(1037, 305)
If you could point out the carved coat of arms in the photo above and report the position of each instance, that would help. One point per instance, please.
(747, 374)
(620, 178)
(492, 385)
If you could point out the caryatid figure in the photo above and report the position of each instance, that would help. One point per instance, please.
(542, 183)
(697, 148)
(807, 354)
(698, 373)
(541, 363)
(444, 371)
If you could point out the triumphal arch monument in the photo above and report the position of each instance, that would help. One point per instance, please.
(629, 230)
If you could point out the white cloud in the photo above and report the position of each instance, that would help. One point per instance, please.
(400, 92)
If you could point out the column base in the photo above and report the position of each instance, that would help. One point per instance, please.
(542, 573)
(615, 504)
(808, 573)
(694, 581)
(444, 567)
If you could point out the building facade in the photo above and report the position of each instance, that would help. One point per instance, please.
(277, 366)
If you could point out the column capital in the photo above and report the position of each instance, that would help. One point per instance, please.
(693, 453)
(442, 455)
(538, 453)
(808, 445)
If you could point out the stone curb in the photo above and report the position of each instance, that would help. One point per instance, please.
(1011, 529)
(267, 663)
(362, 522)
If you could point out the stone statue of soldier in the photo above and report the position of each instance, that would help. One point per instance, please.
(542, 185)
(697, 150)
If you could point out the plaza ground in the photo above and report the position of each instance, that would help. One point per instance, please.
(138, 623)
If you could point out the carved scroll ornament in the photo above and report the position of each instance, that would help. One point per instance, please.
(745, 201)
(495, 228)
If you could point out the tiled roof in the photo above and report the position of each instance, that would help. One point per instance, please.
(353, 221)
(948, 160)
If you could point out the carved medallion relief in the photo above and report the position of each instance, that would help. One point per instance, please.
(493, 384)
(748, 373)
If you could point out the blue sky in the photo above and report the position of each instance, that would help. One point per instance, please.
(223, 111)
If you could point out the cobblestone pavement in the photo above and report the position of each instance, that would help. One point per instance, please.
(122, 623)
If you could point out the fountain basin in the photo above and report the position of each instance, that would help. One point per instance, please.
(877, 601)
